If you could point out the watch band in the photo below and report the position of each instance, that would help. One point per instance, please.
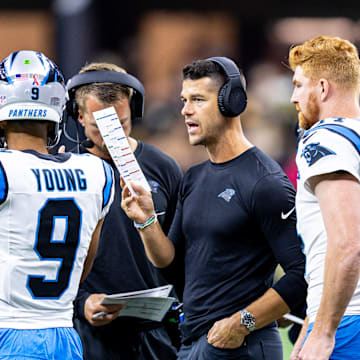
(247, 319)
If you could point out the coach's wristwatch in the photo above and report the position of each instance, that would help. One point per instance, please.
(247, 319)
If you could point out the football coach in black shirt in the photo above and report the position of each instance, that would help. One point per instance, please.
(234, 222)
(120, 264)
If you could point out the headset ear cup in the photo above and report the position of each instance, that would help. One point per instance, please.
(222, 100)
(137, 105)
(243, 101)
(232, 102)
(232, 98)
(72, 108)
(75, 110)
(133, 108)
(237, 101)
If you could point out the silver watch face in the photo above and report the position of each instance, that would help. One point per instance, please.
(247, 319)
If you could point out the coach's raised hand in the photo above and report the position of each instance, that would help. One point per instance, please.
(139, 207)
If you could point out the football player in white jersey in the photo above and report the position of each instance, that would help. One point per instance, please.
(51, 212)
(326, 94)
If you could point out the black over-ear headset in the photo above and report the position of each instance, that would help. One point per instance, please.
(232, 97)
(106, 76)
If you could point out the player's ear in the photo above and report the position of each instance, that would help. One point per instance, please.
(324, 89)
(81, 118)
(3, 124)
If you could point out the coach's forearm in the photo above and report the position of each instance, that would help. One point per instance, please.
(268, 308)
(159, 248)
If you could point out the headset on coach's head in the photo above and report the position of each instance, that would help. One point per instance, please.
(102, 76)
(107, 76)
(232, 97)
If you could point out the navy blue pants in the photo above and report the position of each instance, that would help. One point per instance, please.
(263, 344)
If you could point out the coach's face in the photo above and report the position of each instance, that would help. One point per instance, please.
(203, 119)
(88, 121)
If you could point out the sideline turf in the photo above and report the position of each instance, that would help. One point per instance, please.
(287, 345)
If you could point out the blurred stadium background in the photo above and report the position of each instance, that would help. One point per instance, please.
(154, 40)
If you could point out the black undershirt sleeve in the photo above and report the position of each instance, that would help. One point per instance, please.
(174, 272)
(79, 303)
(273, 199)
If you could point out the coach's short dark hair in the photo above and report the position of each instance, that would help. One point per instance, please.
(204, 68)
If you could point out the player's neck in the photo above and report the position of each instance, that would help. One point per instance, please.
(346, 106)
(22, 141)
(230, 144)
(133, 143)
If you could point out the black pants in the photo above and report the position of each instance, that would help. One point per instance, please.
(263, 344)
(124, 343)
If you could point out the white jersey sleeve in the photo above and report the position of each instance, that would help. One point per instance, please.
(49, 208)
(328, 148)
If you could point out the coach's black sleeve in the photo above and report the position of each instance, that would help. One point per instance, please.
(79, 303)
(273, 202)
(174, 272)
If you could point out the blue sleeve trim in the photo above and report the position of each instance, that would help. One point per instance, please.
(3, 184)
(347, 133)
(108, 183)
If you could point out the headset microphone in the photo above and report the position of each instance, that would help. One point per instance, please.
(87, 143)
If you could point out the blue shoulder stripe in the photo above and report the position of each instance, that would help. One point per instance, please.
(3, 185)
(347, 133)
(108, 183)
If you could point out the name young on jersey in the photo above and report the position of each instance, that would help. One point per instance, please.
(60, 179)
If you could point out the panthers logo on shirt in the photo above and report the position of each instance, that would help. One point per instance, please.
(154, 185)
(227, 194)
(314, 152)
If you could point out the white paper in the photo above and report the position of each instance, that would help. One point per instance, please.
(294, 319)
(119, 147)
(161, 291)
(150, 304)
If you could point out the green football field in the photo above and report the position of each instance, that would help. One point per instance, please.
(287, 345)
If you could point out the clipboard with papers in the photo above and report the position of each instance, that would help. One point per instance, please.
(150, 304)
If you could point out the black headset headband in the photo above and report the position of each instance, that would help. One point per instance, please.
(107, 76)
(231, 70)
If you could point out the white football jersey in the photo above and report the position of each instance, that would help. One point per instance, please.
(49, 208)
(330, 145)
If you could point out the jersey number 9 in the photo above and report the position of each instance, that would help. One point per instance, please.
(62, 251)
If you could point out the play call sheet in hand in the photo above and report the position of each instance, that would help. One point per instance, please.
(119, 147)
